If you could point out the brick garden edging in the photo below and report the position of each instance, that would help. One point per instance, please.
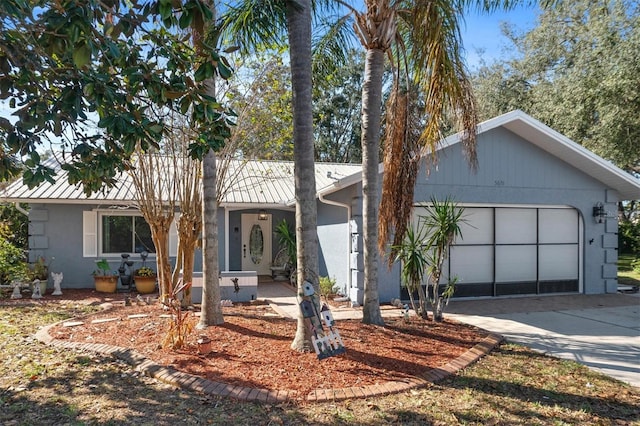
(190, 382)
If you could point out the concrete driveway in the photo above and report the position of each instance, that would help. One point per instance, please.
(599, 331)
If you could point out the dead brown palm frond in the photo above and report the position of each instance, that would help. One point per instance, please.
(400, 160)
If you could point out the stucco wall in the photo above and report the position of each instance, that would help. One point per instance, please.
(333, 238)
(58, 233)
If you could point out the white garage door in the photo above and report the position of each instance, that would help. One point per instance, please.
(516, 250)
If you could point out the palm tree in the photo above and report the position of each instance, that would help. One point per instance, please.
(411, 254)
(422, 41)
(211, 312)
(442, 225)
(256, 22)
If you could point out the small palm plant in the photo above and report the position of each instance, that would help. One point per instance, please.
(287, 240)
(411, 254)
(442, 225)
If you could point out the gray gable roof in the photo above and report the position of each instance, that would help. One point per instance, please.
(250, 182)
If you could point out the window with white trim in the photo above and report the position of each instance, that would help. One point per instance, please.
(111, 233)
(121, 233)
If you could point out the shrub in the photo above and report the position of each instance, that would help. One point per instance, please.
(145, 271)
(635, 265)
(12, 264)
(328, 287)
(629, 237)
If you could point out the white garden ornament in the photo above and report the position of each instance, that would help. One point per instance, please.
(57, 281)
(16, 292)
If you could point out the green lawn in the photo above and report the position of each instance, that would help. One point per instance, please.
(626, 275)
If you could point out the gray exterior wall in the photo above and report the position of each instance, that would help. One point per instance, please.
(56, 232)
(341, 247)
(333, 238)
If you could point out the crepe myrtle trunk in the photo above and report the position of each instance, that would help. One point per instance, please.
(299, 31)
(371, 117)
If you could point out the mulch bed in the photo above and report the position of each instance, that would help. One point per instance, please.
(252, 347)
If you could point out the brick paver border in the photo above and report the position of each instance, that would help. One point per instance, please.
(193, 383)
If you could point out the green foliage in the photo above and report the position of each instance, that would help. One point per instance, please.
(411, 254)
(39, 269)
(14, 225)
(12, 263)
(629, 236)
(336, 111)
(104, 268)
(578, 71)
(328, 287)
(66, 66)
(287, 239)
(635, 264)
(442, 224)
(265, 118)
(145, 271)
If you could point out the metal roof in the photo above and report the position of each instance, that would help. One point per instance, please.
(249, 182)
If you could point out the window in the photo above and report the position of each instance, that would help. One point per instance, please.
(110, 233)
(125, 234)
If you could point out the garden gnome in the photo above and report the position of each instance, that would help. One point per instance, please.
(57, 280)
(16, 292)
(36, 290)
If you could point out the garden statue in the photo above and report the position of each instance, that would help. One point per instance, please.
(16, 292)
(57, 280)
(36, 290)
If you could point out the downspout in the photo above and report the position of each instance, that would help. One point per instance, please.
(20, 209)
(348, 207)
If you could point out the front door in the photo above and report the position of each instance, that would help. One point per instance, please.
(256, 243)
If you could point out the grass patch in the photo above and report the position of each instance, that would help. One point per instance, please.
(626, 274)
(513, 385)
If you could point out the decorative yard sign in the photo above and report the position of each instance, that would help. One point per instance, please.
(326, 344)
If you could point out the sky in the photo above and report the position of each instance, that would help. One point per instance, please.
(482, 32)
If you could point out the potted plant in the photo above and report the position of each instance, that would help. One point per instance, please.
(145, 280)
(40, 271)
(105, 280)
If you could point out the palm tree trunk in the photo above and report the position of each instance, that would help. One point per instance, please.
(371, 116)
(211, 309)
(299, 28)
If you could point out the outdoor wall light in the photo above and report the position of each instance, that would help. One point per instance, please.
(598, 212)
(262, 215)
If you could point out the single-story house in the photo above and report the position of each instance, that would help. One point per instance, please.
(540, 210)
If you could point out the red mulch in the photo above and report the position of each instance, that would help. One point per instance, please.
(252, 347)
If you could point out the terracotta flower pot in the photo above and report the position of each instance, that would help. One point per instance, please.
(145, 285)
(106, 283)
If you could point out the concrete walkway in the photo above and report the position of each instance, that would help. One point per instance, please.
(599, 331)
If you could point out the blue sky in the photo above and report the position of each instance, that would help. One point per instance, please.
(482, 32)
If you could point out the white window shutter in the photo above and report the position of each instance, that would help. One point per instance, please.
(89, 234)
(173, 239)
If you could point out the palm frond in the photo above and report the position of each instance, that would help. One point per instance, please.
(401, 161)
(252, 23)
(432, 33)
(332, 39)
